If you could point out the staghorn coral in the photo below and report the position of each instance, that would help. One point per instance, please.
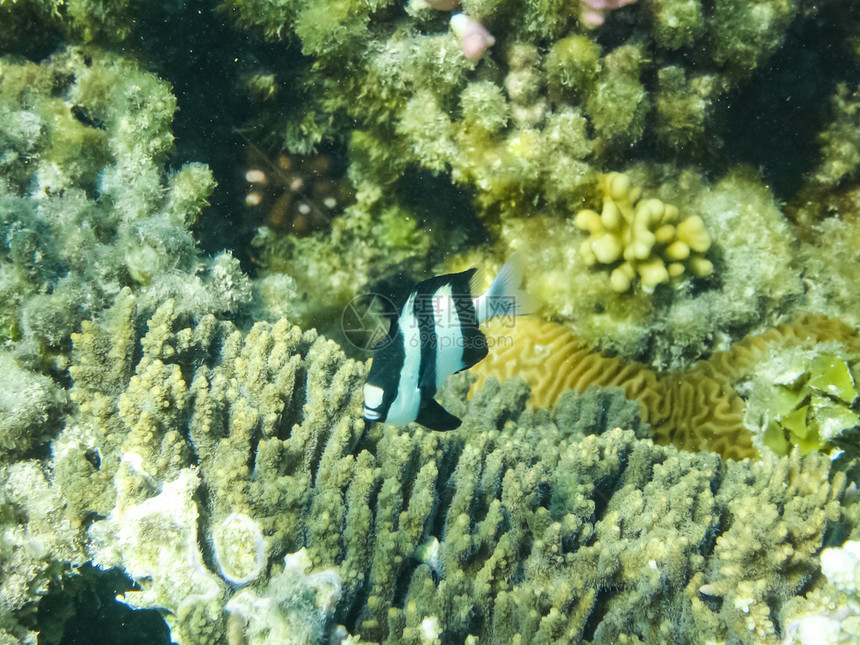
(646, 234)
(516, 527)
(777, 540)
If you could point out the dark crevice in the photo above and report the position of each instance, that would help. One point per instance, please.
(204, 527)
(605, 487)
(83, 610)
(598, 611)
(445, 488)
(401, 581)
(195, 47)
(772, 120)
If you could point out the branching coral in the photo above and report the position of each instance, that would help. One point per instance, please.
(646, 235)
(86, 206)
(505, 528)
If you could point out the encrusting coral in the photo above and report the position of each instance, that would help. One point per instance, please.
(514, 528)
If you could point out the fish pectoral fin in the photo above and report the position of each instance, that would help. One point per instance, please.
(432, 415)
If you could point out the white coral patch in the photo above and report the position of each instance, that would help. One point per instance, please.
(240, 551)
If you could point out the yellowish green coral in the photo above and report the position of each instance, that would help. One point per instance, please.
(501, 531)
(756, 274)
(647, 237)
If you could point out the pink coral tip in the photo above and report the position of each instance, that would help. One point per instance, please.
(592, 13)
(474, 37)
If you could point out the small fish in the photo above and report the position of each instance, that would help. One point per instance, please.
(436, 334)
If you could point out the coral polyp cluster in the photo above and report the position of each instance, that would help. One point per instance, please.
(644, 238)
(295, 194)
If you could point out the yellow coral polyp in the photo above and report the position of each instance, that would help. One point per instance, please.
(645, 236)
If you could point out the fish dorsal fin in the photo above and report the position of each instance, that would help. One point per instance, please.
(505, 297)
(476, 281)
(432, 415)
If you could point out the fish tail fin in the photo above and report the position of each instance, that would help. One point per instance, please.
(506, 297)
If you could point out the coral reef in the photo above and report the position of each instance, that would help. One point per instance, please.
(794, 385)
(526, 131)
(840, 142)
(160, 417)
(86, 206)
(520, 526)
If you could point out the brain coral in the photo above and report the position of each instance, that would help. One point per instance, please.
(696, 409)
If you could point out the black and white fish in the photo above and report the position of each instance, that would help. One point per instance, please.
(436, 334)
